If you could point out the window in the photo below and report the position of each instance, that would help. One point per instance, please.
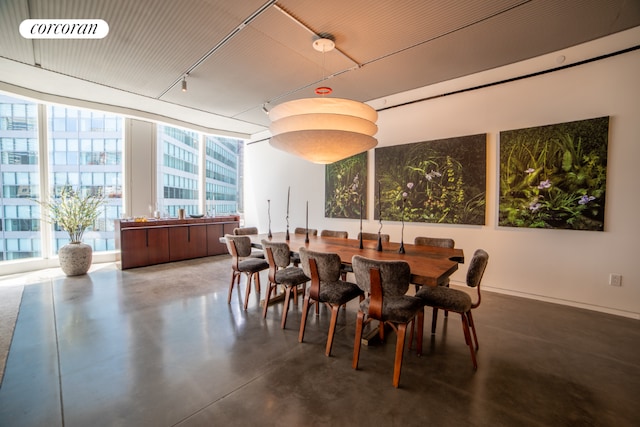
(19, 179)
(85, 152)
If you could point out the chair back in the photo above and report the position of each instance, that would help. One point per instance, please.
(333, 233)
(440, 242)
(243, 231)
(278, 253)
(395, 275)
(373, 236)
(476, 268)
(328, 264)
(302, 230)
(238, 246)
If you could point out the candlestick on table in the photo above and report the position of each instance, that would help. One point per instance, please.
(269, 216)
(361, 244)
(401, 249)
(379, 248)
(306, 239)
(288, 197)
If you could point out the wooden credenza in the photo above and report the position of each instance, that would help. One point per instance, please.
(166, 240)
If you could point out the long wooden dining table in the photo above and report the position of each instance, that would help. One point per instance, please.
(430, 266)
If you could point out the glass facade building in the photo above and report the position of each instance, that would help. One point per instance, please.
(56, 147)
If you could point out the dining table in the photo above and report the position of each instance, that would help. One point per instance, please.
(429, 265)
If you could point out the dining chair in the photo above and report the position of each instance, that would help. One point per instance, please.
(295, 258)
(373, 236)
(278, 255)
(240, 249)
(302, 230)
(341, 235)
(386, 284)
(245, 231)
(326, 287)
(334, 233)
(439, 242)
(440, 297)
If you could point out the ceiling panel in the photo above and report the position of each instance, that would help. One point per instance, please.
(401, 45)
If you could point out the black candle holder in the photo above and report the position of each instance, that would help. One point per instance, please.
(379, 248)
(360, 235)
(401, 249)
(269, 215)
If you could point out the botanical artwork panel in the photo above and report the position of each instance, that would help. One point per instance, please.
(346, 188)
(554, 176)
(442, 181)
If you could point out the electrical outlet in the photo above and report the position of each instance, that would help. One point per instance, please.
(615, 279)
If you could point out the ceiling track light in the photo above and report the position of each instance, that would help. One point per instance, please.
(184, 83)
(264, 109)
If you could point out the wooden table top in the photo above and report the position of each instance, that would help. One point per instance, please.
(429, 265)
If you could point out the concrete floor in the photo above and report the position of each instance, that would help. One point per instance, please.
(159, 346)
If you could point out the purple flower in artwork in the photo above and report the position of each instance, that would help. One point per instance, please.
(544, 184)
(530, 170)
(409, 186)
(404, 195)
(534, 206)
(585, 199)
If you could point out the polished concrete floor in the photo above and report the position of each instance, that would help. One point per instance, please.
(159, 346)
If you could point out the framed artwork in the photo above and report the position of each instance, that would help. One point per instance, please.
(442, 181)
(554, 176)
(345, 191)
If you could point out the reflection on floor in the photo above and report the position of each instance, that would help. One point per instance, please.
(159, 346)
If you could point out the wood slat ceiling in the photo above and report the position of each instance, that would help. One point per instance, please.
(389, 46)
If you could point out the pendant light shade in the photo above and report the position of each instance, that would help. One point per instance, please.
(323, 130)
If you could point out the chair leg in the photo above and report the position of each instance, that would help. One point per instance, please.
(358, 340)
(303, 321)
(397, 366)
(285, 309)
(472, 326)
(332, 328)
(248, 291)
(267, 298)
(467, 338)
(420, 321)
(257, 281)
(434, 320)
(233, 279)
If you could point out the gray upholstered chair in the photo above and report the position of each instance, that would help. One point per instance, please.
(245, 231)
(373, 236)
(278, 255)
(439, 242)
(302, 230)
(240, 249)
(333, 233)
(326, 287)
(440, 297)
(295, 258)
(386, 283)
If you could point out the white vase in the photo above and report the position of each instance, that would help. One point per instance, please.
(75, 258)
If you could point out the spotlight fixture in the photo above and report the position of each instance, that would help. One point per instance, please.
(264, 109)
(184, 84)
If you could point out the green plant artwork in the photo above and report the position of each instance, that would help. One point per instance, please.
(554, 176)
(442, 181)
(346, 188)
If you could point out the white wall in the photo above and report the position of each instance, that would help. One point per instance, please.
(563, 266)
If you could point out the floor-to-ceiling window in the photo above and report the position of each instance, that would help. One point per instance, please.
(19, 179)
(85, 153)
(222, 172)
(179, 154)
